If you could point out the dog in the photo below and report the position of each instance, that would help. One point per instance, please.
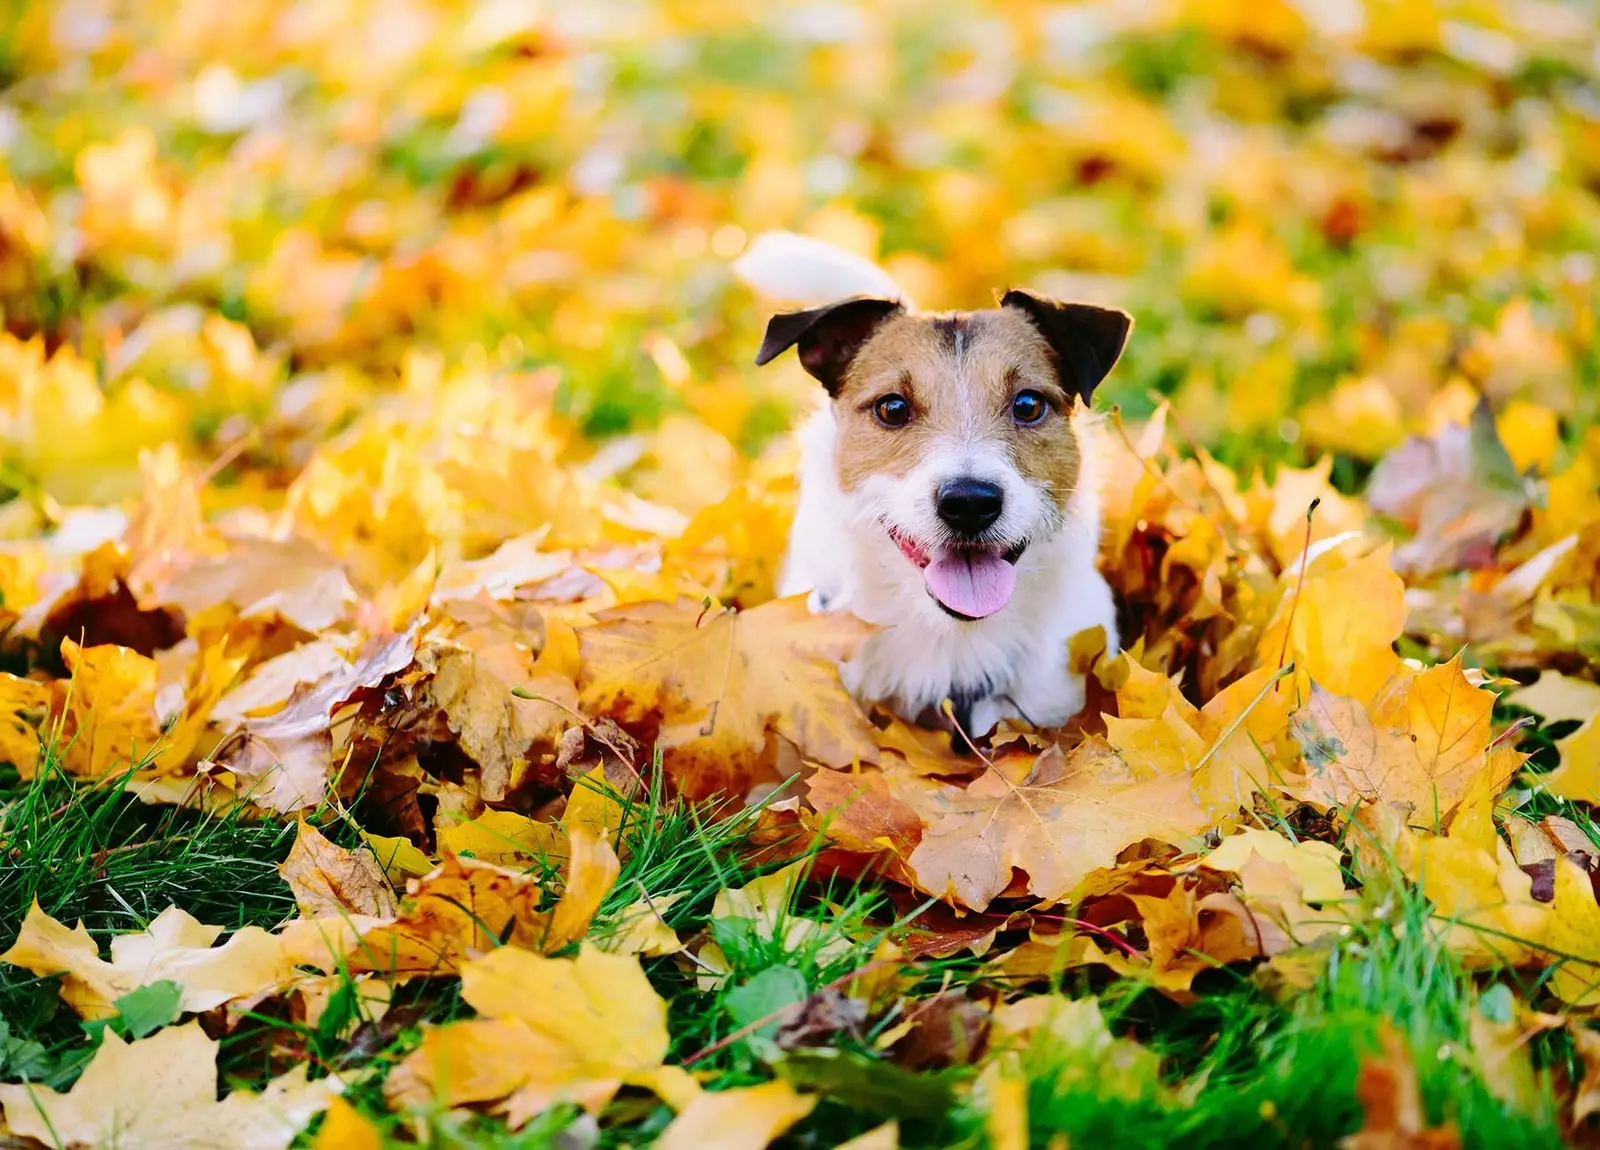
(948, 494)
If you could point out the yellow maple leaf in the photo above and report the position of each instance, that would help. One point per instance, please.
(552, 1030)
(1427, 747)
(1315, 864)
(174, 947)
(505, 838)
(744, 1118)
(1055, 817)
(1341, 625)
(110, 708)
(1578, 776)
(720, 682)
(161, 1092)
(346, 1128)
(1573, 935)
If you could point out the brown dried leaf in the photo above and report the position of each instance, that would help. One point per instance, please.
(719, 682)
(1055, 817)
(333, 880)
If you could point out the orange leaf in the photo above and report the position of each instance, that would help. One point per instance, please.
(719, 683)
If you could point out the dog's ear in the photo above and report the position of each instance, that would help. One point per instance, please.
(829, 336)
(1088, 340)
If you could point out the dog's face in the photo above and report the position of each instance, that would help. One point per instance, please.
(956, 435)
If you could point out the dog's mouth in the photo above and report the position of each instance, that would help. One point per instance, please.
(970, 581)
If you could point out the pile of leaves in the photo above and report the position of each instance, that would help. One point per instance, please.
(406, 744)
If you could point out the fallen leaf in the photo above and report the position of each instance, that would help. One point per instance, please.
(1558, 698)
(552, 1030)
(719, 682)
(465, 908)
(641, 929)
(285, 761)
(345, 1128)
(1458, 492)
(1578, 776)
(398, 858)
(1573, 935)
(1055, 817)
(1427, 749)
(110, 709)
(332, 880)
(1315, 864)
(24, 709)
(160, 1093)
(505, 838)
(744, 1118)
(173, 948)
(1341, 625)
(1392, 1103)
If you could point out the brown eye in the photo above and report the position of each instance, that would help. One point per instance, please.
(892, 410)
(1028, 407)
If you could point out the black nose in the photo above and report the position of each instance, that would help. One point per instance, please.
(969, 506)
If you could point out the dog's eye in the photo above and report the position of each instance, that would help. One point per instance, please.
(892, 410)
(1028, 407)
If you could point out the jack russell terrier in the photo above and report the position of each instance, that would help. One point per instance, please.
(948, 494)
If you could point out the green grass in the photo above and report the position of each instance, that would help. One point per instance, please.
(1239, 1066)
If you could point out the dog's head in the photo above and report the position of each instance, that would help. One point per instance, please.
(956, 432)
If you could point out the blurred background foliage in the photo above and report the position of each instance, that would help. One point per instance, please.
(249, 226)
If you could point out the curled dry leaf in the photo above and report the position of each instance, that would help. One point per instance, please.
(462, 694)
(109, 709)
(175, 947)
(283, 762)
(1458, 493)
(462, 909)
(160, 1093)
(334, 880)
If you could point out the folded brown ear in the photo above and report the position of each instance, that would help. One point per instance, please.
(1088, 340)
(829, 336)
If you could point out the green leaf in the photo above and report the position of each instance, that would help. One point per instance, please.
(763, 996)
(867, 1083)
(22, 1058)
(142, 1012)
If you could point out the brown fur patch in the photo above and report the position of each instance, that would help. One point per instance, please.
(960, 372)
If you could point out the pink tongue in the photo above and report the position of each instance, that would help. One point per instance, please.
(973, 583)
